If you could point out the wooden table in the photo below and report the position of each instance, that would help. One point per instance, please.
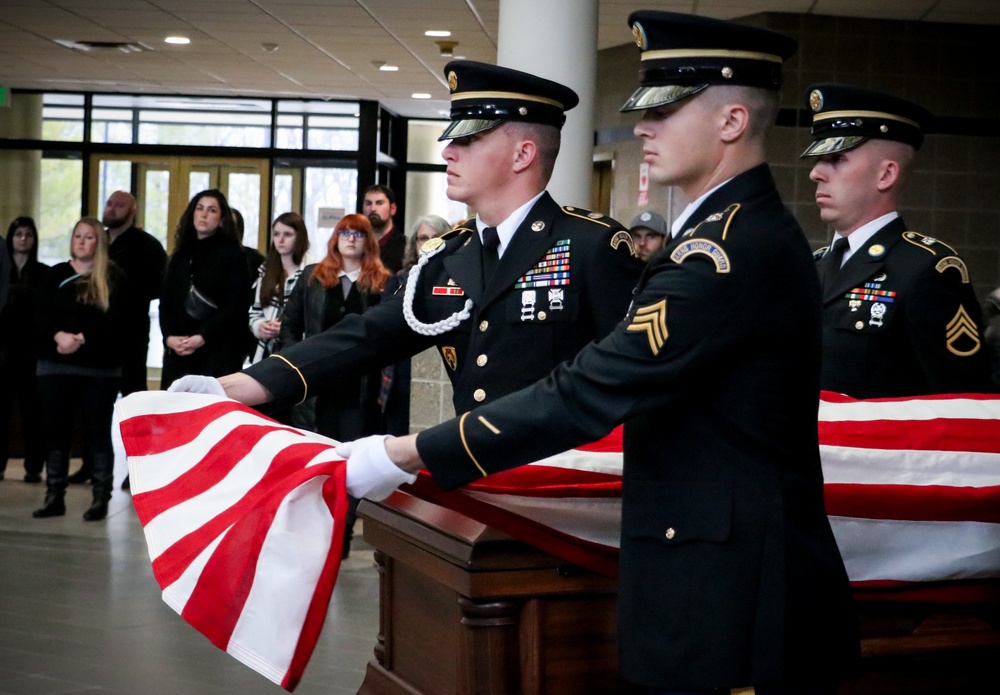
(465, 610)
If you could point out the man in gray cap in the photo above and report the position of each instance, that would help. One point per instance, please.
(729, 577)
(900, 317)
(648, 230)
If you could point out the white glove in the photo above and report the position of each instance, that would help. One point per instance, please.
(193, 383)
(370, 471)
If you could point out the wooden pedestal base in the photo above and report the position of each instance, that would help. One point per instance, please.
(467, 611)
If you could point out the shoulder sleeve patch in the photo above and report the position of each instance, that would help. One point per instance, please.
(595, 217)
(819, 253)
(956, 263)
(622, 237)
(702, 247)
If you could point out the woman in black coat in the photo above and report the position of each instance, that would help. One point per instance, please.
(81, 334)
(203, 307)
(19, 349)
(348, 281)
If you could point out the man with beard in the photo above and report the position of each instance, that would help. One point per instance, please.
(142, 258)
(379, 206)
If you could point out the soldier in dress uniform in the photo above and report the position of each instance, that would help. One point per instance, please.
(730, 577)
(506, 297)
(900, 317)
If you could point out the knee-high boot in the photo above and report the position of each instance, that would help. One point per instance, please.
(103, 472)
(56, 463)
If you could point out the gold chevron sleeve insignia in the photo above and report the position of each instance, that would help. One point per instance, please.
(653, 321)
(962, 334)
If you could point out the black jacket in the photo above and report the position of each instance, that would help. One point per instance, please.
(901, 319)
(502, 346)
(729, 572)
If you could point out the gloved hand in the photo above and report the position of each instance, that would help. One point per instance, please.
(370, 471)
(193, 383)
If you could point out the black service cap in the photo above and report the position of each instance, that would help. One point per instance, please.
(683, 54)
(845, 116)
(483, 96)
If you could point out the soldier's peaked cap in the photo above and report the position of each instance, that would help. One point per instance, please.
(483, 96)
(683, 54)
(845, 116)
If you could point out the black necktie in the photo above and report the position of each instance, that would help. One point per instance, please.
(831, 262)
(491, 252)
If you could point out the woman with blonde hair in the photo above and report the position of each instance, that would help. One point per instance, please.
(348, 281)
(79, 365)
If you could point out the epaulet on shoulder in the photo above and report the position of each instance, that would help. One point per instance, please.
(455, 231)
(725, 217)
(595, 217)
(927, 243)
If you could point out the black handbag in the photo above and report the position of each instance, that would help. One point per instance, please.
(197, 305)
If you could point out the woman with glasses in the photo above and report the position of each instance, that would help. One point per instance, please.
(348, 281)
(286, 257)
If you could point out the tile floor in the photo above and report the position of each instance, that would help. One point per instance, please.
(81, 613)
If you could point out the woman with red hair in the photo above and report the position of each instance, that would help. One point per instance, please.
(348, 281)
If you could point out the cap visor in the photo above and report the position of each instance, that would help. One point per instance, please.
(831, 145)
(460, 129)
(651, 97)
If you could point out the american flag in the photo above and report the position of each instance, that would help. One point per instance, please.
(243, 516)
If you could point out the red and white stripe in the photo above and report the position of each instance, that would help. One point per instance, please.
(243, 519)
(242, 515)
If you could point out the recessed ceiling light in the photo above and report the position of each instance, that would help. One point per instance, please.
(178, 40)
(421, 95)
(437, 32)
(388, 68)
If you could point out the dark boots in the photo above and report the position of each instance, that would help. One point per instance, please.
(103, 471)
(98, 510)
(54, 505)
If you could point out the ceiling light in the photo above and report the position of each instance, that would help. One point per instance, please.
(178, 40)
(269, 47)
(436, 32)
(420, 95)
(388, 68)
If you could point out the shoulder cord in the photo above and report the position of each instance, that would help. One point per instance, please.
(438, 327)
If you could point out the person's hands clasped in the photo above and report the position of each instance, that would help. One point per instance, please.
(68, 343)
(270, 329)
(370, 471)
(195, 383)
(184, 345)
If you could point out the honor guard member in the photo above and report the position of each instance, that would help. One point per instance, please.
(505, 298)
(729, 577)
(900, 316)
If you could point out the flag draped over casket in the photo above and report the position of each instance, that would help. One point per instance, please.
(243, 516)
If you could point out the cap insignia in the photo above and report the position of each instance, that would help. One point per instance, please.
(523, 111)
(537, 226)
(816, 100)
(452, 81)
(639, 34)
(884, 128)
(727, 73)
(876, 250)
(645, 217)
